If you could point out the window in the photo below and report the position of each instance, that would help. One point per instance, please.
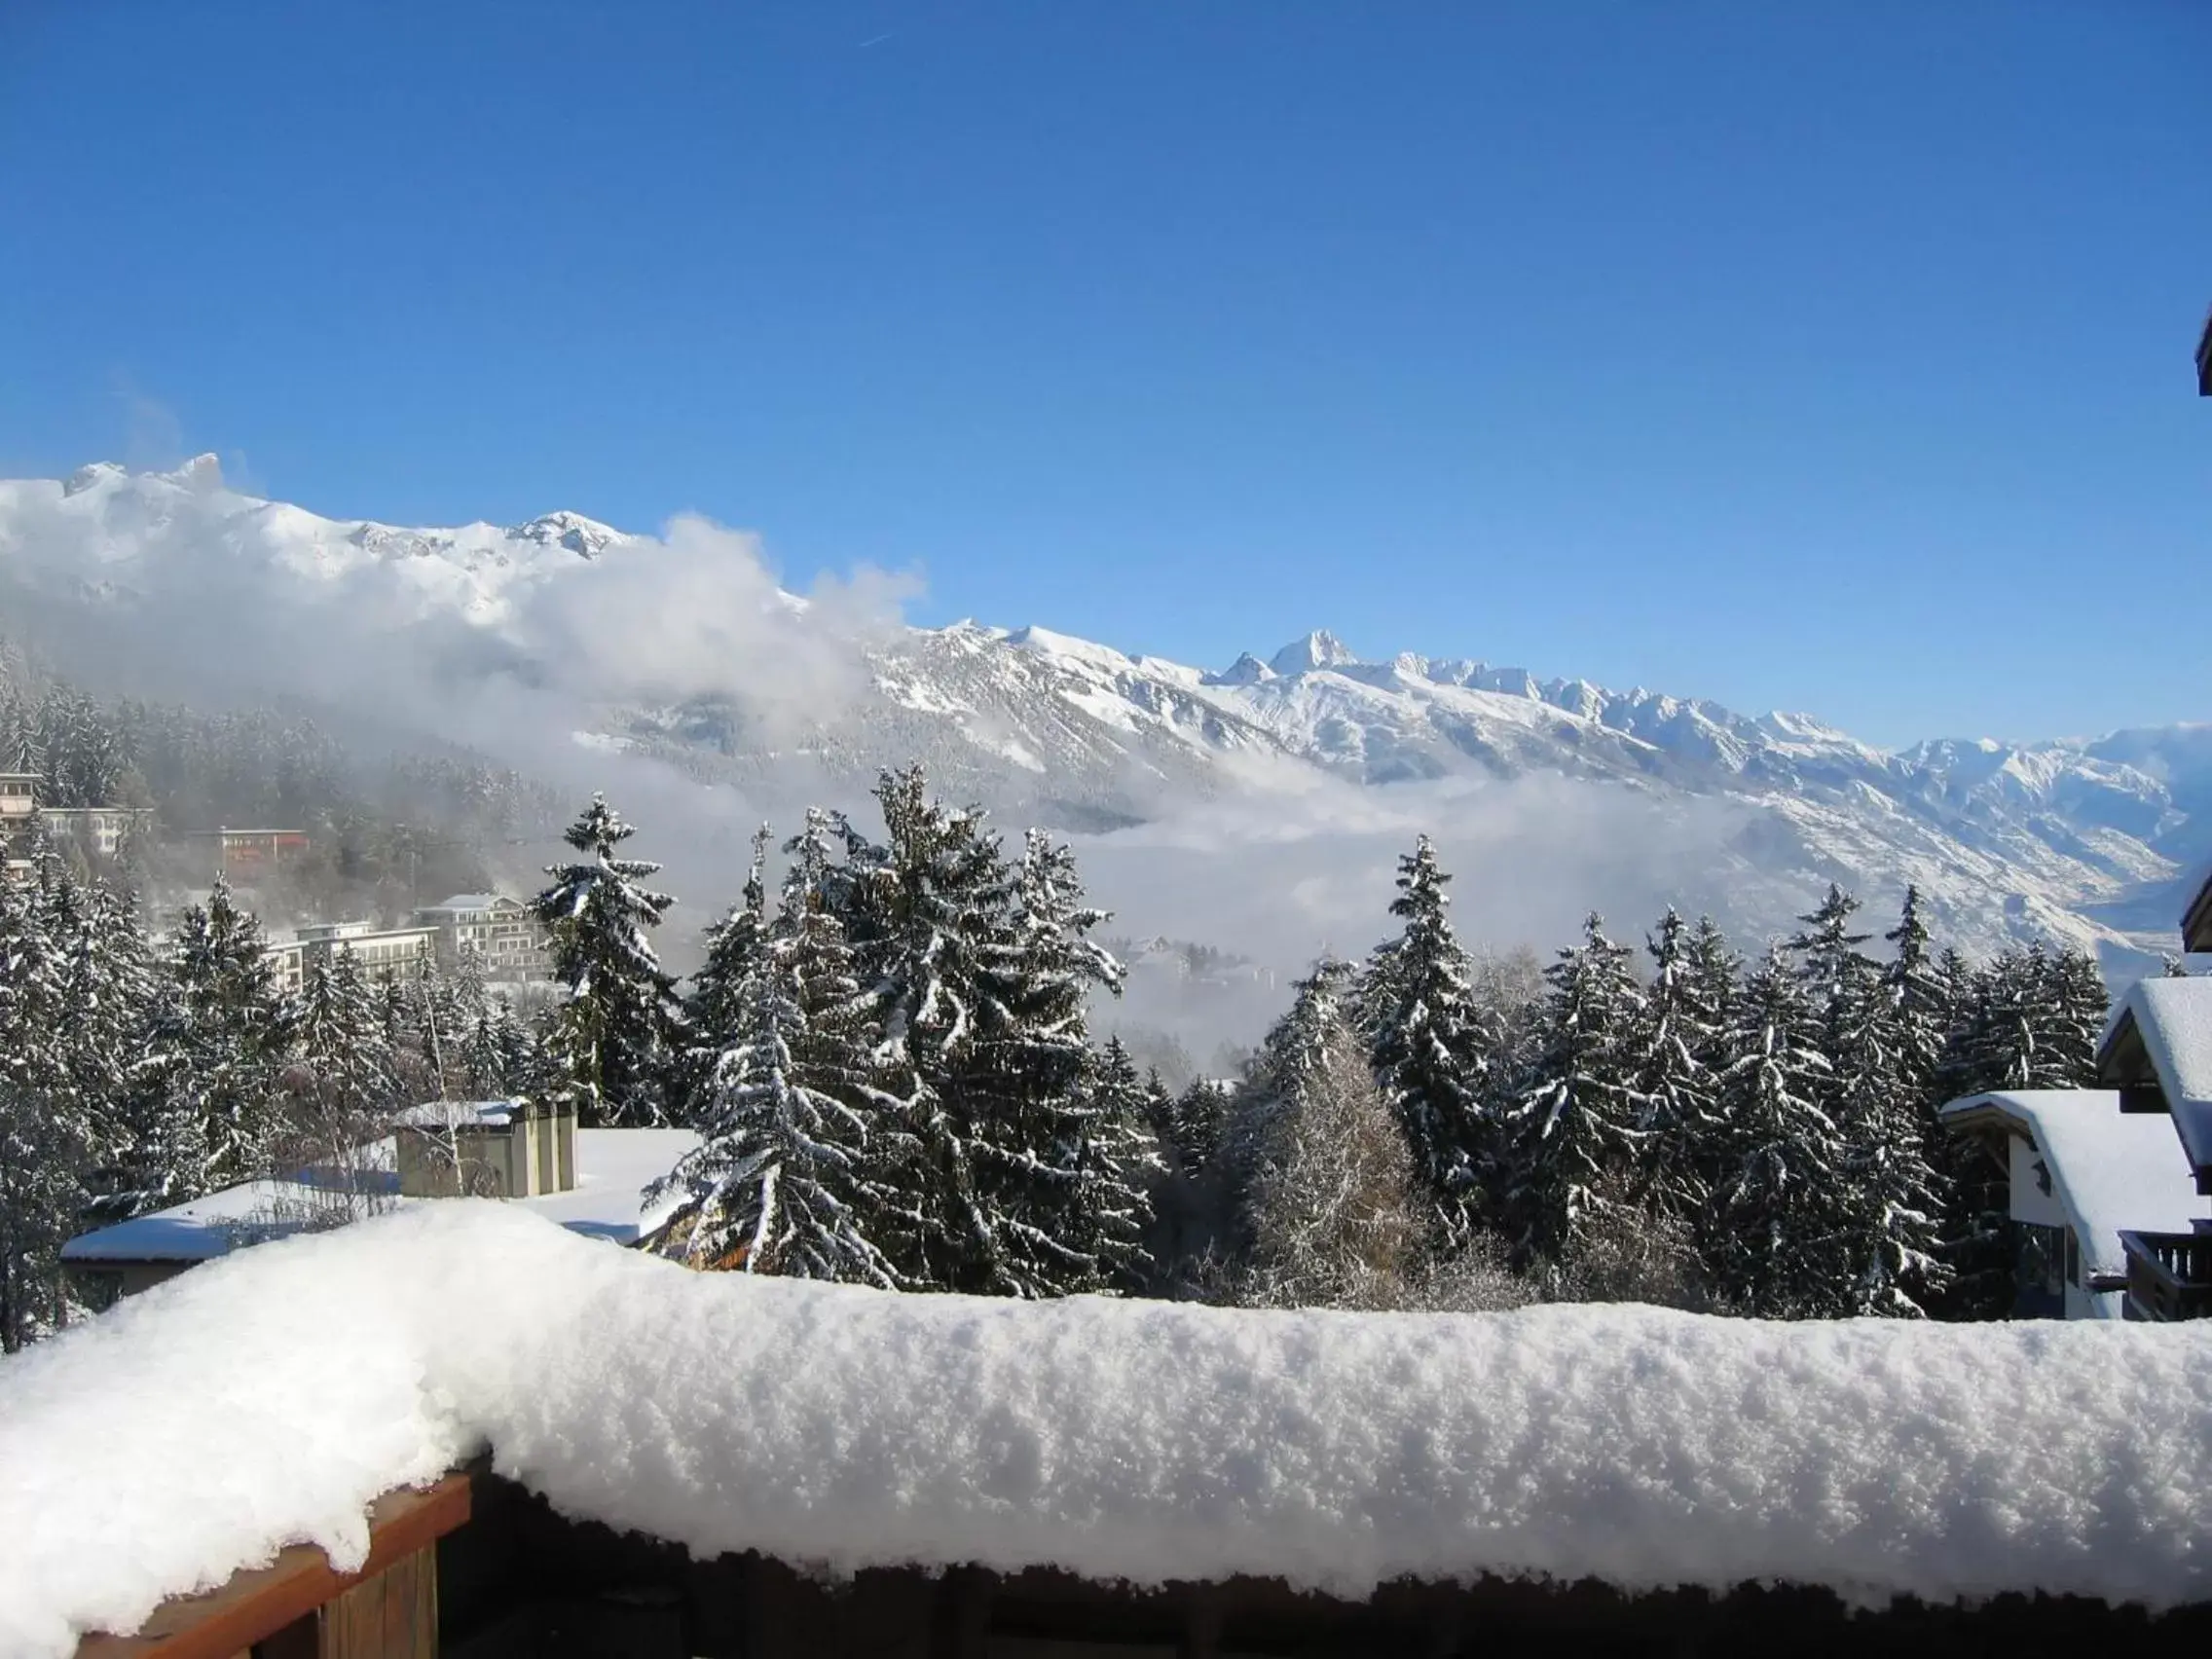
(2043, 1259)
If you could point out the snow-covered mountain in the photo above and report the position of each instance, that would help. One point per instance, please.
(2084, 839)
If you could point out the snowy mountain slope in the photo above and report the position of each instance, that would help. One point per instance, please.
(2087, 839)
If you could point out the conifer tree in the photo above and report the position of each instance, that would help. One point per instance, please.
(1429, 1046)
(927, 910)
(1329, 1216)
(786, 1179)
(713, 1005)
(339, 1039)
(1917, 994)
(1777, 1216)
(2075, 1006)
(1113, 1159)
(232, 1039)
(1060, 1164)
(46, 1132)
(1839, 980)
(1679, 1050)
(613, 1035)
(1581, 1109)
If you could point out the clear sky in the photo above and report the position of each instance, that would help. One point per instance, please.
(1831, 356)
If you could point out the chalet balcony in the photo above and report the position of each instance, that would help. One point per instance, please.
(2169, 1274)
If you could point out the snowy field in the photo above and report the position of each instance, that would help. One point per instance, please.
(268, 1398)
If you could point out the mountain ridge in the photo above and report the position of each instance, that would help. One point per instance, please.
(2086, 838)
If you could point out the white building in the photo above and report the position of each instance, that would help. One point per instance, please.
(502, 931)
(380, 951)
(97, 830)
(18, 809)
(2082, 1174)
(2111, 1187)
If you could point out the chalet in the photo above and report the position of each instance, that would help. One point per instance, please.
(2081, 1174)
(502, 931)
(2111, 1187)
(590, 1181)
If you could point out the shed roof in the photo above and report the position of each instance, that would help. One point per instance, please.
(613, 1167)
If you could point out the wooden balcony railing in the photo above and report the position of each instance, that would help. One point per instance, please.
(2169, 1274)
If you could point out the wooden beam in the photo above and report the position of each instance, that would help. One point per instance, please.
(261, 1602)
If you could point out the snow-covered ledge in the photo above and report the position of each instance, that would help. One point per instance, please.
(269, 1398)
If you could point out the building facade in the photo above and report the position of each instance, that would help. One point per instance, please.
(101, 829)
(514, 948)
(18, 811)
(380, 951)
(253, 850)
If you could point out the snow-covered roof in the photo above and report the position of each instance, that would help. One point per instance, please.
(2111, 1171)
(269, 1398)
(458, 1114)
(613, 1167)
(2174, 1019)
(463, 902)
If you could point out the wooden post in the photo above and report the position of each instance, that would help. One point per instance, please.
(393, 1615)
(1202, 1623)
(285, 1610)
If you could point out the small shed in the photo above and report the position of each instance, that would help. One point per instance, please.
(487, 1148)
(607, 1198)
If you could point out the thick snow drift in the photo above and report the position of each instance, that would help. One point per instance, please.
(267, 1397)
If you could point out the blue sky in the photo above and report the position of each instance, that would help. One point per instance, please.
(1821, 356)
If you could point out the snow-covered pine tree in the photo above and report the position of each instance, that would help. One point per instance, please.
(233, 1037)
(2030, 1020)
(1882, 1032)
(713, 1005)
(1887, 1226)
(613, 1035)
(786, 1178)
(1771, 1245)
(1579, 1116)
(499, 1053)
(339, 1041)
(47, 1130)
(2075, 1007)
(1060, 1169)
(1917, 994)
(926, 910)
(111, 993)
(1839, 980)
(1680, 1051)
(1980, 1047)
(1116, 1165)
(1430, 1048)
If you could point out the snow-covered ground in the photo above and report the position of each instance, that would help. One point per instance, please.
(269, 1398)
